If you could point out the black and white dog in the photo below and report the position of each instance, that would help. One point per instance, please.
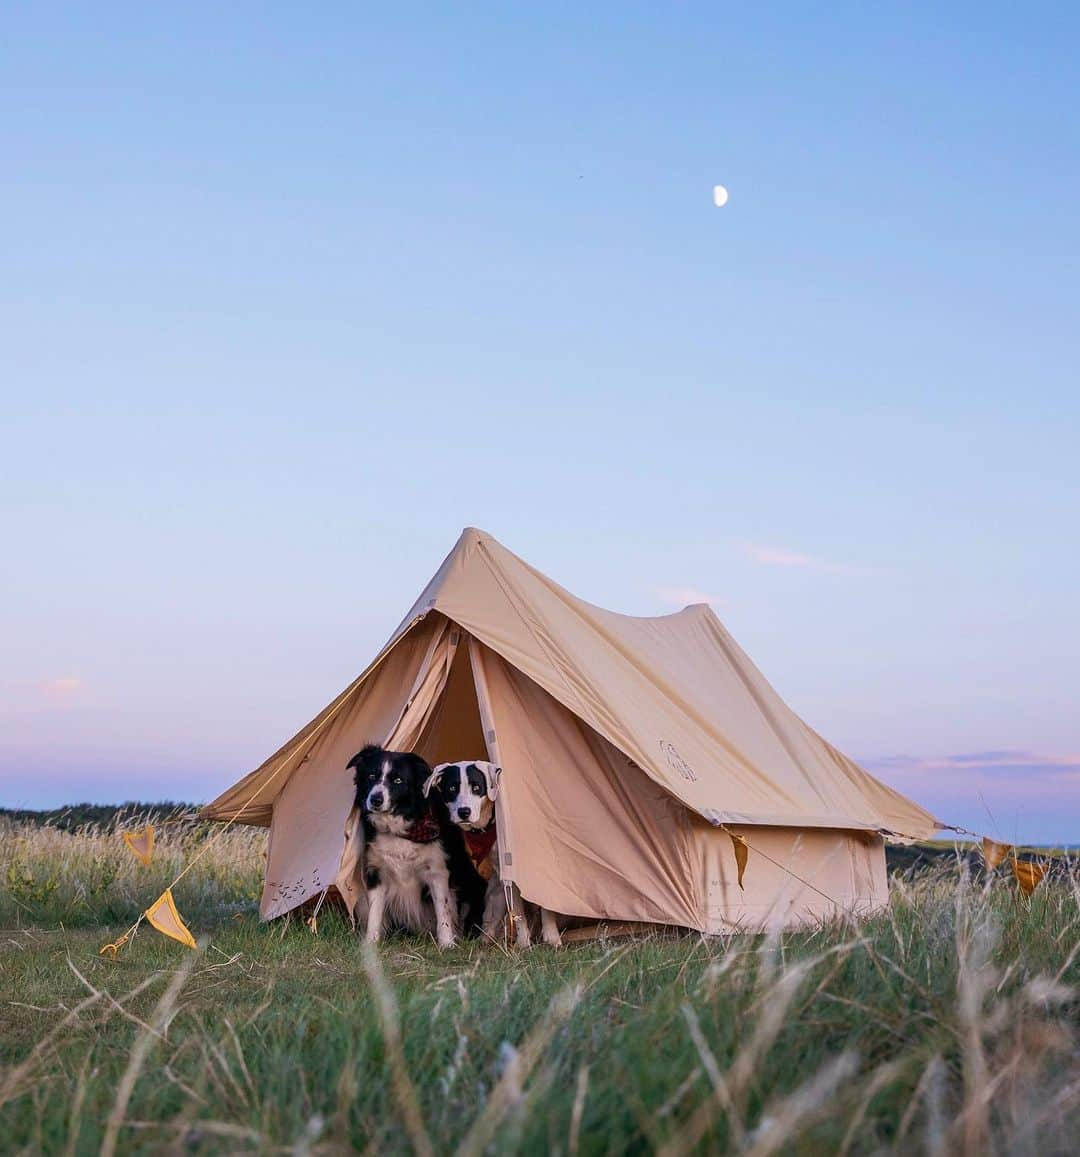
(468, 790)
(416, 869)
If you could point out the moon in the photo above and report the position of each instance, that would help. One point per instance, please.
(719, 196)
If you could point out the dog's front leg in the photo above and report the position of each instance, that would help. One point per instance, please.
(494, 910)
(549, 930)
(522, 935)
(445, 928)
(376, 910)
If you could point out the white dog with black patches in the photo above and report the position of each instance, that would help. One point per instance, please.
(469, 788)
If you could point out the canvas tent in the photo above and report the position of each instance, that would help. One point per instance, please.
(633, 751)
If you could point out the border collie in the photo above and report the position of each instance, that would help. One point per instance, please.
(468, 790)
(415, 866)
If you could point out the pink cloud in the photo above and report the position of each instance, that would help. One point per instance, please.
(1011, 794)
(62, 687)
(1007, 761)
(797, 560)
(775, 556)
(793, 559)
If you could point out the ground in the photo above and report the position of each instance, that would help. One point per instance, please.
(947, 1023)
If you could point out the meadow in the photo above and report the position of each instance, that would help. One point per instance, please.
(949, 1023)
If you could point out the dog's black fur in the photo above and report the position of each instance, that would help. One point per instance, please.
(407, 800)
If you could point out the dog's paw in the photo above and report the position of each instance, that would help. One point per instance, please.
(445, 936)
(549, 929)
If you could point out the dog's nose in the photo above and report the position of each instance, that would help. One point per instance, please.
(376, 799)
(464, 812)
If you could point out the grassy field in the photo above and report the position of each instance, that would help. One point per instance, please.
(949, 1023)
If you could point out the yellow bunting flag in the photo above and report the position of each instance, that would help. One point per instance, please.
(741, 852)
(165, 918)
(993, 852)
(141, 843)
(1027, 875)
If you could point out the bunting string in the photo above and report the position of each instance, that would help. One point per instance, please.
(112, 950)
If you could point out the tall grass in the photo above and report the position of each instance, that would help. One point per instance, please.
(946, 1024)
(50, 876)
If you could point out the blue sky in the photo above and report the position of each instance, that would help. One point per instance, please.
(291, 297)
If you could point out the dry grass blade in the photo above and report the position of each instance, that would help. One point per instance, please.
(774, 1004)
(731, 1090)
(252, 1094)
(508, 1089)
(578, 1111)
(141, 1049)
(404, 1090)
(677, 1097)
(13, 1085)
(936, 1142)
(75, 1113)
(880, 1079)
(976, 977)
(796, 1111)
(114, 1004)
(721, 1090)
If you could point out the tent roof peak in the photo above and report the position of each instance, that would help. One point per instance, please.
(673, 693)
(473, 536)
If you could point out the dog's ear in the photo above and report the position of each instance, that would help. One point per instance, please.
(365, 753)
(493, 776)
(434, 778)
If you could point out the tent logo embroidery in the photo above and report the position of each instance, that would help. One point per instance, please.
(676, 761)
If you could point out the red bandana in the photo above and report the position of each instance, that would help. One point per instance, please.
(424, 830)
(479, 844)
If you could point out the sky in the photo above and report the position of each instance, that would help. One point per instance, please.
(290, 296)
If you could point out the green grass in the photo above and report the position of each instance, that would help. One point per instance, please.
(947, 1023)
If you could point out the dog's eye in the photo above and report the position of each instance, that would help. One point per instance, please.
(396, 779)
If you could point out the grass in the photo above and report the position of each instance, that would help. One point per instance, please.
(948, 1023)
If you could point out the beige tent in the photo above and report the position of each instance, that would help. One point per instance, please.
(639, 756)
